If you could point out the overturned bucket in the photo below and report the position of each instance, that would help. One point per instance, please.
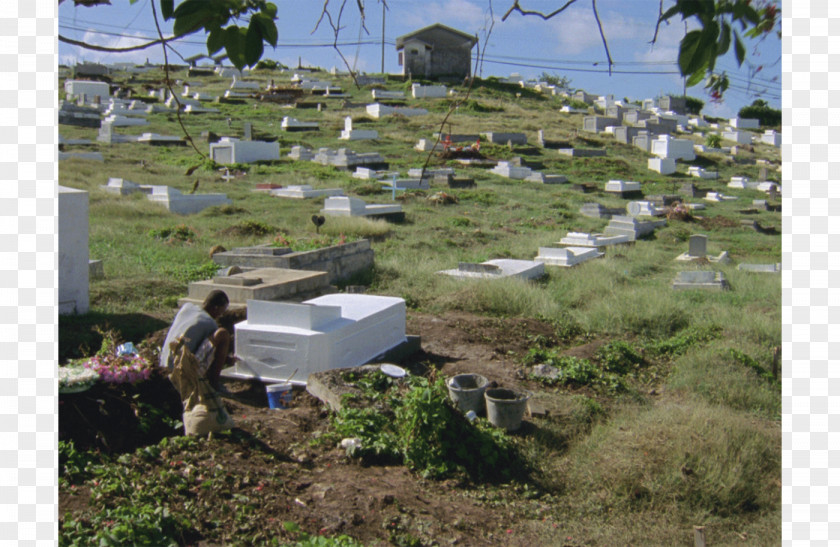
(279, 395)
(505, 407)
(467, 392)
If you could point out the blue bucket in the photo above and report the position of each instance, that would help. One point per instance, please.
(279, 395)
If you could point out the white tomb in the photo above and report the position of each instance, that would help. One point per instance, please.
(698, 122)
(185, 204)
(73, 254)
(241, 84)
(377, 110)
(382, 94)
(644, 208)
(305, 191)
(406, 184)
(154, 138)
(741, 137)
(345, 206)
(88, 88)
(772, 138)
(622, 186)
(505, 169)
(123, 187)
(230, 150)
(744, 123)
(583, 239)
(116, 120)
(664, 166)
(350, 134)
(428, 91)
(93, 156)
(366, 173)
(498, 268)
(566, 256)
(700, 172)
(427, 145)
(417, 171)
(666, 146)
(194, 109)
(292, 124)
(329, 332)
(715, 196)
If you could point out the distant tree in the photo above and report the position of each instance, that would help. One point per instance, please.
(693, 105)
(761, 111)
(562, 82)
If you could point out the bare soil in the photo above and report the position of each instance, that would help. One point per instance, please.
(269, 457)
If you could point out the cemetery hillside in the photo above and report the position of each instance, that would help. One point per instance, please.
(497, 312)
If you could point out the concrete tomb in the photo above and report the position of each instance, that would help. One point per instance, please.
(583, 239)
(697, 251)
(378, 110)
(624, 188)
(715, 196)
(349, 206)
(291, 124)
(761, 268)
(772, 138)
(664, 166)
(329, 332)
(305, 191)
(631, 227)
(666, 146)
(428, 91)
(185, 204)
(596, 210)
(504, 138)
(262, 284)
(498, 268)
(741, 137)
(701, 173)
(73, 254)
(382, 94)
(93, 156)
(644, 208)
(350, 134)
(699, 280)
(744, 123)
(87, 87)
(338, 261)
(566, 256)
(230, 150)
(582, 152)
(596, 124)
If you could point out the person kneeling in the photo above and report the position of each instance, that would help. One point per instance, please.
(208, 341)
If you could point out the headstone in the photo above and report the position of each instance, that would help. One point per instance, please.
(246, 131)
(697, 245)
(73, 255)
(541, 138)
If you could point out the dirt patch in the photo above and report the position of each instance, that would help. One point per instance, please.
(271, 459)
(711, 223)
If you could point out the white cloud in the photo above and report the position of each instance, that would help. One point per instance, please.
(77, 54)
(462, 15)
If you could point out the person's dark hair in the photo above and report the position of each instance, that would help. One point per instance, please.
(215, 298)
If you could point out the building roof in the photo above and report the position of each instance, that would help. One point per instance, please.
(438, 34)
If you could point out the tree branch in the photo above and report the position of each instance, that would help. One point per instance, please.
(516, 7)
(336, 27)
(169, 83)
(603, 38)
(658, 22)
(94, 47)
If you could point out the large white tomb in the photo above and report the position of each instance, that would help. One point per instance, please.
(566, 256)
(73, 255)
(324, 333)
(229, 150)
(497, 269)
(305, 191)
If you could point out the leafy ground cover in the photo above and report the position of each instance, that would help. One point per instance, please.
(666, 415)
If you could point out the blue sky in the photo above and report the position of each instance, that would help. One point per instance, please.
(567, 45)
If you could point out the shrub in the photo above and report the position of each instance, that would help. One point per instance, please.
(761, 111)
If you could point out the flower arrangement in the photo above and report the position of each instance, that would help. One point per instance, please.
(74, 378)
(120, 368)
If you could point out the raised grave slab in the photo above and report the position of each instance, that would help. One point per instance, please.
(583, 239)
(566, 256)
(185, 204)
(631, 227)
(350, 206)
(707, 280)
(498, 268)
(262, 284)
(329, 332)
(229, 150)
(292, 124)
(305, 191)
(761, 268)
(596, 210)
(503, 138)
(378, 110)
(338, 261)
(583, 152)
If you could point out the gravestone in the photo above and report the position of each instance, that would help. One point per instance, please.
(497, 269)
(761, 268)
(697, 245)
(699, 280)
(246, 131)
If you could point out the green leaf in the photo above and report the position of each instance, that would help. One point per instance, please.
(724, 42)
(270, 10)
(166, 8)
(234, 38)
(215, 41)
(186, 24)
(267, 26)
(696, 78)
(188, 7)
(691, 52)
(739, 49)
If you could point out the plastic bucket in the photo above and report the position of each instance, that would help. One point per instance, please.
(467, 392)
(279, 395)
(505, 407)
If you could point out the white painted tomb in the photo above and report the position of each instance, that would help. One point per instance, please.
(664, 166)
(350, 134)
(583, 239)
(427, 145)
(505, 169)
(744, 123)
(700, 172)
(498, 268)
(366, 173)
(185, 204)
(377, 110)
(566, 256)
(772, 138)
(644, 208)
(666, 146)
(329, 332)
(292, 124)
(73, 253)
(230, 150)
(428, 91)
(116, 120)
(741, 137)
(622, 186)
(194, 109)
(305, 191)
(346, 206)
(761, 268)
(383, 94)
(88, 88)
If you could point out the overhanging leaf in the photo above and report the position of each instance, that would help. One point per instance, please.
(691, 54)
(166, 8)
(739, 49)
(215, 41)
(267, 26)
(234, 39)
(696, 78)
(191, 22)
(253, 44)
